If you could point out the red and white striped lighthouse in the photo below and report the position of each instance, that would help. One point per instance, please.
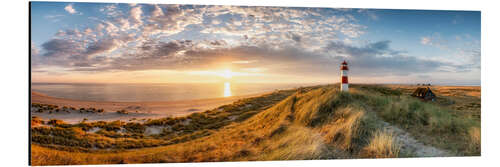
(344, 86)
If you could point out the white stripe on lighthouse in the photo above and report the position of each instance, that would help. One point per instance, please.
(345, 87)
(344, 73)
(344, 82)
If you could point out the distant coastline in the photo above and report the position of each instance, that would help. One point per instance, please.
(154, 92)
(138, 110)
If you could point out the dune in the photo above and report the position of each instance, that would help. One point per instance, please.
(320, 122)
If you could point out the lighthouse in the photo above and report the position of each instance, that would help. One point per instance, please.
(344, 86)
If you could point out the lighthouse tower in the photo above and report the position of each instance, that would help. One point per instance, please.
(344, 86)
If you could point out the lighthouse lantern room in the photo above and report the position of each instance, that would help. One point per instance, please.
(344, 85)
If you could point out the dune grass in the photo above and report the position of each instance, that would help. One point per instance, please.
(382, 145)
(430, 122)
(119, 135)
(307, 123)
(474, 140)
(312, 123)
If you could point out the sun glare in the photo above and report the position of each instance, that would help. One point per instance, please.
(227, 74)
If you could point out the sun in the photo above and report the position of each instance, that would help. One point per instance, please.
(227, 74)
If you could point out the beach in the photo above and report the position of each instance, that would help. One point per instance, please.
(138, 111)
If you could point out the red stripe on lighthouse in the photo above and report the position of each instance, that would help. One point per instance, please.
(344, 79)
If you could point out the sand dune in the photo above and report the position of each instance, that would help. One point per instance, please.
(138, 110)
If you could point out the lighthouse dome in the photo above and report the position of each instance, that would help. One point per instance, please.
(344, 66)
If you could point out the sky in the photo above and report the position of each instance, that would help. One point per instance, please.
(167, 43)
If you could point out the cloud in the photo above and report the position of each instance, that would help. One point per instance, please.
(373, 59)
(69, 52)
(111, 10)
(54, 18)
(306, 26)
(69, 8)
(60, 47)
(218, 43)
(425, 40)
(299, 41)
(34, 50)
(244, 61)
(102, 46)
(434, 40)
(61, 52)
(371, 13)
(295, 37)
(379, 59)
(468, 59)
(135, 15)
(88, 31)
(166, 20)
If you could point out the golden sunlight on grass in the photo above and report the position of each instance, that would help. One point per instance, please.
(317, 122)
(382, 145)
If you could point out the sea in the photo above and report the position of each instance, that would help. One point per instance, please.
(155, 92)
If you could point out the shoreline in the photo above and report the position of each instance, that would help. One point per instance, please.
(137, 110)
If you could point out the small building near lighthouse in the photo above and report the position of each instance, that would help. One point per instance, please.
(344, 85)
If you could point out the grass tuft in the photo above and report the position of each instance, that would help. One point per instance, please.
(382, 145)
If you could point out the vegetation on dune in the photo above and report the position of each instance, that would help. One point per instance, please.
(49, 108)
(433, 123)
(461, 101)
(122, 111)
(126, 135)
(56, 122)
(382, 145)
(313, 123)
(35, 121)
(474, 140)
(307, 123)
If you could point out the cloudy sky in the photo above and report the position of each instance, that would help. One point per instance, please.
(145, 43)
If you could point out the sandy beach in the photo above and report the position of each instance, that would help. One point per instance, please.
(137, 110)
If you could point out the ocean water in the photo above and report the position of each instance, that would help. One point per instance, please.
(153, 92)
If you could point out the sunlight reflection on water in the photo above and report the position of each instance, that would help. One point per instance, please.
(154, 92)
(227, 89)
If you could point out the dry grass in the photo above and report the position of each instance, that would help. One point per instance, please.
(312, 123)
(444, 123)
(36, 121)
(461, 100)
(343, 130)
(296, 143)
(475, 140)
(382, 145)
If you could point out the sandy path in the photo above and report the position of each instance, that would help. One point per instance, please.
(138, 110)
(411, 145)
